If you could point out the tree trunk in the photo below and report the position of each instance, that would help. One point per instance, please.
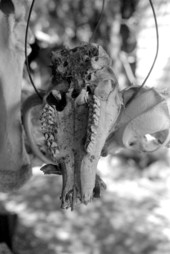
(15, 167)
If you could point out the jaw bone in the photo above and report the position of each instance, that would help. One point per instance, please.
(103, 114)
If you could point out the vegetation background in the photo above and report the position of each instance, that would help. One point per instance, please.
(133, 215)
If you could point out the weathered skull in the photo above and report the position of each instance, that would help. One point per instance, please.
(78, 116)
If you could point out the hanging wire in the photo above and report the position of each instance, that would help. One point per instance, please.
(98, 22)
(26, 55)
(26, 36)
(156, 54)
(91, 39)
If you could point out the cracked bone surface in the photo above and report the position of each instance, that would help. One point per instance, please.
(90, 106)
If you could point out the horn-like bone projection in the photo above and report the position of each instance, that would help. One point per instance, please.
(144, 125)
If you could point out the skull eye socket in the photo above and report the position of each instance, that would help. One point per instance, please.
(54, 98)
(89, 89)
(75, 93)
(89, 77)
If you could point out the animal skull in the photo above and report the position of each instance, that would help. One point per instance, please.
(76, 134)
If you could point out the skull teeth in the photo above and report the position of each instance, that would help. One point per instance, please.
(89, 148)
(93, 121)
(93, 129)
(48, 128)
(50, 122)
(96, 122)
(95, 117)
(46, 136)
(93, 138)
(96, 100)
(54, 145)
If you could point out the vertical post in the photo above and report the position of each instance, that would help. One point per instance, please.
(15, 167)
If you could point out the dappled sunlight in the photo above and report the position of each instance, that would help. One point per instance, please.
(133, 214)
(129, 218)
(147, 45)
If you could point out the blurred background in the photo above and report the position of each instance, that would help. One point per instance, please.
(133, 215)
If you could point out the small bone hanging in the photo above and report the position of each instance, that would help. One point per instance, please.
(144, 125)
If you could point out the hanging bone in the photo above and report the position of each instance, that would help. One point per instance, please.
(143, 124)
(76, 127)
